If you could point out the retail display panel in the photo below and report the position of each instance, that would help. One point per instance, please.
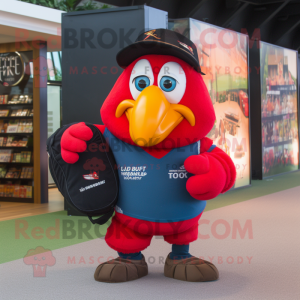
(223, 57)
(279, 110)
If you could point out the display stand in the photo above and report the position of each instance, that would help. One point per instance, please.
(23, 133)
(274, 132)
(227, 81)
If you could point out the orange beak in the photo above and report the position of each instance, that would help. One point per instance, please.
(151, 117)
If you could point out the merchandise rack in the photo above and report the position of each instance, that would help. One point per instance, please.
(33, 85)
(15, 149)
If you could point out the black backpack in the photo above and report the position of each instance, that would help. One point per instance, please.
(91, 184)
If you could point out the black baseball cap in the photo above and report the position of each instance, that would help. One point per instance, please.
(160, 41)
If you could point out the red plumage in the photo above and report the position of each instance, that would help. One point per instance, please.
(196, 97)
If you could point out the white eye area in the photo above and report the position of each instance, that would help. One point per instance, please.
(172, 81)
(140, 78)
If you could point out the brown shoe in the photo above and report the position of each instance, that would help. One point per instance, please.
(190, 269)
(121, 270)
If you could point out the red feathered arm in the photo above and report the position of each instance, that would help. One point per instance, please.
(73, 141)
(214, 172)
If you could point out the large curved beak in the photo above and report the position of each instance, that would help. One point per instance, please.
(151, 117)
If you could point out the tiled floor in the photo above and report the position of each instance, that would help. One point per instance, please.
(261, 262)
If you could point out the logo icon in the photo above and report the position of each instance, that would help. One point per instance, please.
(94, 165)
(186, 46)
(12, 68)
(180, 173)
(151, 33)
(39, 258)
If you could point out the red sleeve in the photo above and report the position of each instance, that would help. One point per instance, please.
(100, 127)
(228, 166)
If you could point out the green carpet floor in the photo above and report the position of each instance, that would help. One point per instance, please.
(258, 188)
(57, 230)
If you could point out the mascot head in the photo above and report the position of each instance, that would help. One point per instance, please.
(160, 100)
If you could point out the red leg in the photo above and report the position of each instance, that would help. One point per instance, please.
(183, 238)
(123, 239)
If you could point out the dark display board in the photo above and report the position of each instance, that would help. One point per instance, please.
(90, 42)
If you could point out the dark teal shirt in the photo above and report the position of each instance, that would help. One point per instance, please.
(154, 189)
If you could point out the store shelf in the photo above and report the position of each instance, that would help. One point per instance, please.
(17, 148)
(278, 143)
(16, 118)
(276, 117)
(17, 163)
(36, 139)
(289, 88)
(17, 179)
(17, 104)
(16, 133)
(16, 199)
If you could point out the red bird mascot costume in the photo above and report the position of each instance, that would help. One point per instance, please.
(155, 120)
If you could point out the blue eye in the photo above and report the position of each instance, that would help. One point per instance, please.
(141, 82)
(167, 84)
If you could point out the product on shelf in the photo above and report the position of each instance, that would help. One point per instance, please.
(9, 190)
(25, 126)
(4, 141)
(13, 141)
(23, 142)
(28, 191)
(20, 112)
(26, 156)
(23, 157)
(3, 126)
(13, 112)
(3, 99)
(3, 171)
(9, 141)
(16, 126)
(17, 191)
(14, 100)
(27, 99)
(13, 173)
(29, 126)
(4, 112)
(12, 126)
(5, 155)
(25, 112)
(20, 99)
(27, 172)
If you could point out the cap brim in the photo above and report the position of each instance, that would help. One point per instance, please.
(130, 53)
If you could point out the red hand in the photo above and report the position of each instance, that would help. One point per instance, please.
(74, 140)
(209, 179)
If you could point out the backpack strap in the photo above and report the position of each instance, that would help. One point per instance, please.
(103, 219)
